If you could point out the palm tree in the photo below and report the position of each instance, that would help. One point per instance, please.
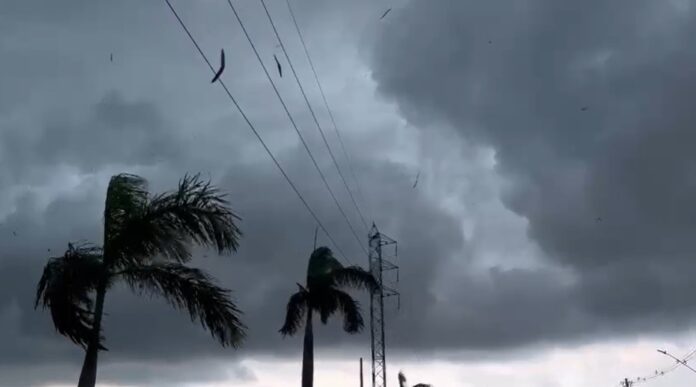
(147, 241)
(402, 381)
(325, 277)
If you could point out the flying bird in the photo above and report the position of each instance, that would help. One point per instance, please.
(222, 67)
(111, 57)
(14, 233)
(584, 108)
(280, 68)
(490, 42)
(415, 183)
(599, 219)
(385, 14)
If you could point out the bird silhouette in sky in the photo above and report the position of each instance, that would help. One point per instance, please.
(416, 182)
(584, 108)
(222, 67)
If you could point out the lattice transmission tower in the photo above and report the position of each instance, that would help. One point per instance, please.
(382, 251)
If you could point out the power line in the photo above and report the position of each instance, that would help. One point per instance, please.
(314, 116)
(665, 371)
(258, 136)
(679, 361)
(326, 103)
(294, 125)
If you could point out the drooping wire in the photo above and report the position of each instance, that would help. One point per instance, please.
(326, 103)
(294, 125)
(314, 116)
(258, 136)
(663, 372)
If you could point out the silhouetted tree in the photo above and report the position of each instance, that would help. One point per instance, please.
(402, 381)
(322, 294)
(146, 244)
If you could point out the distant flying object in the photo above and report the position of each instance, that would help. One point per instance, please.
(14, 233)
(111, 57)
(280, 68)
(490, 42)
(416, 182)
(584, 108)
(222, 67)
(599, 219)
(385, 14)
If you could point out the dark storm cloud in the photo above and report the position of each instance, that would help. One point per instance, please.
(278, 238)
(118, 128)
(624, 159)
(588, 106)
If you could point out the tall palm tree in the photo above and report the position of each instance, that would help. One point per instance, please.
(402, 381)
(147, 241)
(322, 294)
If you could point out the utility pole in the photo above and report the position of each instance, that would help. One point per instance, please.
(361, 374)
(378, 265)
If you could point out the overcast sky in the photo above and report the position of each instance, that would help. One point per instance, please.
(549, 241)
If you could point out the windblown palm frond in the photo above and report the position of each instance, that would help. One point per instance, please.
(350, 308)
(65, 287)
(169, 223)
(126, 196)
(402, 381)
(325, 302)
(354, 277)
(322, 262)
(296, 309)
(192, 289)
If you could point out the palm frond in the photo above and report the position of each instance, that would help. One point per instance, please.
(296, 309)
(195, 213)
(350, 308)
(125, 196)
(192, 289)
(326, 302)
(322, 262)
(65, 288)
(354, 277)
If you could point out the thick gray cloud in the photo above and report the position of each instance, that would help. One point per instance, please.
(624, 159)
(57, 160)
(587, 106)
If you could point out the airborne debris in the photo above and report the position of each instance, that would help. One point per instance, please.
(280, 68)
(222, 67)
(385, 14)
(416, 182)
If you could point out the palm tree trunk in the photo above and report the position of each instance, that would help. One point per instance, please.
(308, 353)
(88, 376)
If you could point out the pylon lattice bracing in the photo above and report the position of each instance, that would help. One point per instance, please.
(382, 249)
